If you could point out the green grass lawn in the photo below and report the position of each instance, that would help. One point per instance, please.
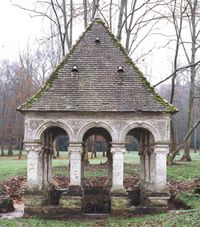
(189, 218)
(185, 171)
(12, 166)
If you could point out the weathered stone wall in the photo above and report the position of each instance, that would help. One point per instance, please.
(118, 125)
(152, 160)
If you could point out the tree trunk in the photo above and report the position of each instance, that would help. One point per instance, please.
(94, 8)
(182, 144)
(2, 147)
(20, 147)
(128, 26)
(85, 15)
(110, 14)
(85, 155)
(71, 24)
(119, 26)
(194, 36)
(10, 151)
(95, 150)
(57, 150)
(104, 153)
(173, 137)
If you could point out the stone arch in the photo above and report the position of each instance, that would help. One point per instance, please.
(143, 125)
(49, 124)
(90, 125)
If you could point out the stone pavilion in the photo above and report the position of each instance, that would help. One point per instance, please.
(98, 88)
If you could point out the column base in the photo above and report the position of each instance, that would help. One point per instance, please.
(34, 202)
(120, 205)
(154, 199)
(120, 201)
(118, 191)
(72, 199)
(72, 204)
(158, 201)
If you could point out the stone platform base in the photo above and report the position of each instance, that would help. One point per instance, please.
(57, 204)
(58, 212)
(120, 205)
(154, 201)
(72, 204)
(34, 202)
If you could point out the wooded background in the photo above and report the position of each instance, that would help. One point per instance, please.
(145, 28)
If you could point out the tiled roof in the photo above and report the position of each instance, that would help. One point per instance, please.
(97, 86)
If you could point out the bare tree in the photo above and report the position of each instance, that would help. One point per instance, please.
(177, 10)
(193, 21)
(85, 12)
(123, 3)
(60, 14)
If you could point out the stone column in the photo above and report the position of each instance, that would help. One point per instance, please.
(71, 200)
(118, 151)
(75, 151)
(142, 168)
(157, 193)
(34, 165)
(47, 166)
(159, 167)
(119, 198)
(110, 166)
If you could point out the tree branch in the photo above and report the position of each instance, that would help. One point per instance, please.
(179, 69)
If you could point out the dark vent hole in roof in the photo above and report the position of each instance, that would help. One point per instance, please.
(120, 69)
(74, 68)
(97, 40)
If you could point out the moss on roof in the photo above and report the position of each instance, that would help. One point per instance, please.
(28, 104)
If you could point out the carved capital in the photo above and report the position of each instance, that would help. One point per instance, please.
(118, 148)
(75, 148)
(32, 147)
(161, 148)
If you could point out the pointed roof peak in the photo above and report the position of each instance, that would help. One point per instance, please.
(87, 89)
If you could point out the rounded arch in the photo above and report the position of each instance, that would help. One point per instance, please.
(103, 125)
(143, 125)
(49, 124)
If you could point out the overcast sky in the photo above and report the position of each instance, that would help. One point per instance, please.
(17, 29)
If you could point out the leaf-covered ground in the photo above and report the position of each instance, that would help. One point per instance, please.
(183, 180)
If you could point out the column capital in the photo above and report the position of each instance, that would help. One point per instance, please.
(75, 147)
(161, 148)
(32, 146)
(118, 148)
(118, 144)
